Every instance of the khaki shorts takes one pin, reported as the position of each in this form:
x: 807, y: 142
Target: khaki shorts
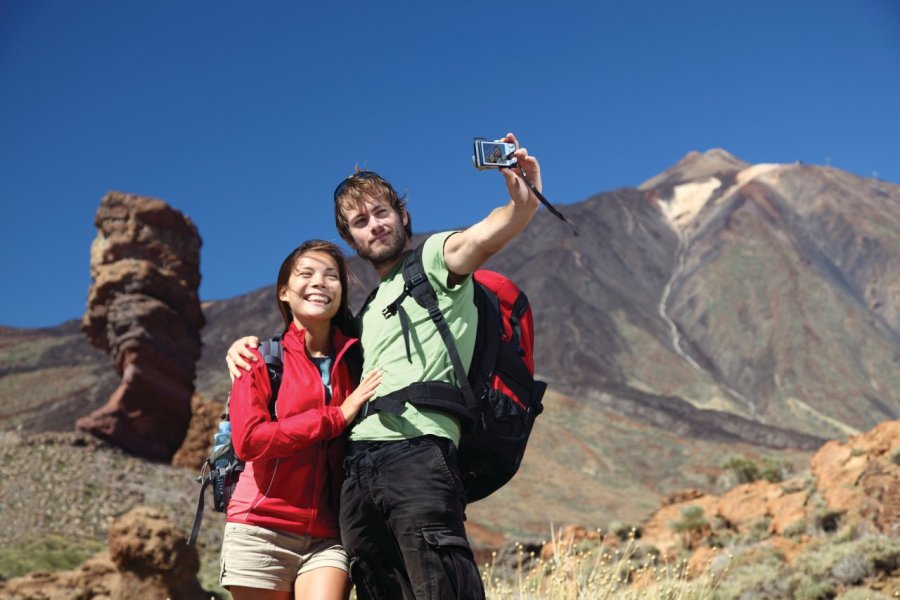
x: 272, y: 560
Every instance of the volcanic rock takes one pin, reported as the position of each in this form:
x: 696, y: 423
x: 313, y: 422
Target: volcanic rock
x: 148, y: 557
x: 143, y: 308
x: 856, y: 485
x: 198, y: 441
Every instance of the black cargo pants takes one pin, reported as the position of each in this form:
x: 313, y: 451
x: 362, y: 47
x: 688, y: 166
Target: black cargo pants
x: 402, y: 513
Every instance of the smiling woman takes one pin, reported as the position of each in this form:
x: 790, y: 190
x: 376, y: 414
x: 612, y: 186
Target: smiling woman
x: 281, y: 538
x: 310, y: 288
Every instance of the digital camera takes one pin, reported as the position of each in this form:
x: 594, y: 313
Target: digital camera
x: 493, y: 154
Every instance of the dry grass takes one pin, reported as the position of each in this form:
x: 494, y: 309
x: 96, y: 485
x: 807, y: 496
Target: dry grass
x: 596, y: 570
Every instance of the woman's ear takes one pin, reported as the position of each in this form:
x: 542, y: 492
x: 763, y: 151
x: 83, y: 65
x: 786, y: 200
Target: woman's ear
x: 282, y: 294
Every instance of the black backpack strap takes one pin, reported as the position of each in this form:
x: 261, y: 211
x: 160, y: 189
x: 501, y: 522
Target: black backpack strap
x: 416, y: 284
x: 201, y: 502
x: 273, y: 355
x: 515, y: 321
x: 412, y: 277
x: 438, y: 395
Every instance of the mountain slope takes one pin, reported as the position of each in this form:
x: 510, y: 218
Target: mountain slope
x: 787, y: 291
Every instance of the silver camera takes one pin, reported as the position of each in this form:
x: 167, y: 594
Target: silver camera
x: 493, y: 154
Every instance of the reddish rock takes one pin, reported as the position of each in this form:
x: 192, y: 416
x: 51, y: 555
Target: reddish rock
x: 148, y: 557
x: 152, y: 558
x: 858, y: 480
x: 95, y: 578
x: 744, y: 505
x: 206, y: 415
x: 679, y: 496
x: 144, y: 310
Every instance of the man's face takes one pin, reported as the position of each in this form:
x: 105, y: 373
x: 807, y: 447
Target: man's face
x: 378, y: 231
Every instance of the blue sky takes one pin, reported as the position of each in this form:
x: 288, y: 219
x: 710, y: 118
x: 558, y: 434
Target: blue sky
x: 245, y: 115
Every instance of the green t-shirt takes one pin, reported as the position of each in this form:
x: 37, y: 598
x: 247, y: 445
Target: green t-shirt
x: 383, y: 347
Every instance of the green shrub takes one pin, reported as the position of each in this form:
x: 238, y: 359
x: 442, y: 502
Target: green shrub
x: 794, y: 529
x: 753, y: 581
x: 774, y: 470
x: 624, y: 531
x: 895, y: 455
x: 852, y: 562
x: 746, y: 470
x: 692, y: 519
x: 760, y: 529
x: 815, y: 590
x: 47, y: 553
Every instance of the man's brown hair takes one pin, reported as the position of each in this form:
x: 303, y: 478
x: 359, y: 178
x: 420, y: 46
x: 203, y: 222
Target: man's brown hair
x: 351, y: 193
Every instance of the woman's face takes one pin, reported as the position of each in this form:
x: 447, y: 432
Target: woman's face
x: 313, y: 291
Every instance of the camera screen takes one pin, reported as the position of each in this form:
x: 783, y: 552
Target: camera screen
x: 493, y: 153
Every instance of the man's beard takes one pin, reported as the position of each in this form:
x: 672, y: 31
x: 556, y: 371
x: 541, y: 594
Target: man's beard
x: 387, y: 253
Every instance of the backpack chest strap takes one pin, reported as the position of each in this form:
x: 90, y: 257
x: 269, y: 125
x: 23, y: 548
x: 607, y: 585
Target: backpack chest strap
x: 436, y: 395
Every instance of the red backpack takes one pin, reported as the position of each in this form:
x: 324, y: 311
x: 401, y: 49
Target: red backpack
x: 499, y: 398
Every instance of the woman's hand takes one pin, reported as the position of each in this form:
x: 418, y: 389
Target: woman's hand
x: 238, y: 355
x: 363, y: 392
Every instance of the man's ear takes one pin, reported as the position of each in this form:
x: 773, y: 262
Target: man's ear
x: 404, y: 217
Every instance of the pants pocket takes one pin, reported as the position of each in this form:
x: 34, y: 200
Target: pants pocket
x: 450, y: 565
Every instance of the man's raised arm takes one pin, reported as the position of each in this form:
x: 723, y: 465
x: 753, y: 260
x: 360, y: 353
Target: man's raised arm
x: 467, y: 250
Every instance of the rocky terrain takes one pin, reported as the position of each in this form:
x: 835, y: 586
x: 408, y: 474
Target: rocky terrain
x: 65, y: 496
x: 834, y: 523
x: 719, y: 311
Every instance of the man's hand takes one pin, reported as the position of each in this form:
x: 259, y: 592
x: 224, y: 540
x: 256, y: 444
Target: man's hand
x: 466, y: 251
x: 519, y: 192
x: 239, y: 354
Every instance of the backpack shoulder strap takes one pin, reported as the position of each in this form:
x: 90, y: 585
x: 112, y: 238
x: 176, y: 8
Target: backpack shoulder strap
x: 272, y: 353
x: 205, y: 479
x: 416, y: 284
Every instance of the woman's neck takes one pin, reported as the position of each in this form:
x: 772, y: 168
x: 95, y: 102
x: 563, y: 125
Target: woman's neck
x: 318, y: 337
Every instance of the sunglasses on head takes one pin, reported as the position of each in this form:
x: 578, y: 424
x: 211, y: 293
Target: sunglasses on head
x: 359, y: 175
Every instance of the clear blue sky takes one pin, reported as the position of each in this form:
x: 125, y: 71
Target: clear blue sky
x: 244, y: 115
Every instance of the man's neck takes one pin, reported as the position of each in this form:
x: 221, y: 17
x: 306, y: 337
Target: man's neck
x: 386, y: 266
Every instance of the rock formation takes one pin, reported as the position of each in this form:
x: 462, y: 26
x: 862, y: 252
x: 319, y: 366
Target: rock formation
x: 198, y: 441
x: 148, y: 557
x: 143, y: 308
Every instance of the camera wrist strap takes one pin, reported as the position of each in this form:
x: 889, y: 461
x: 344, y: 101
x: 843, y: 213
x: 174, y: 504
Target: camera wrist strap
x: 546, y: 203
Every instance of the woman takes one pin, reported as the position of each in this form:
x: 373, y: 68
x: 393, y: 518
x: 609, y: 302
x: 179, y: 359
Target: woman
x: 281, y: 537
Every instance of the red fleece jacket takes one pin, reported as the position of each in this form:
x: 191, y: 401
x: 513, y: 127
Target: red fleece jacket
x: 291, y: 481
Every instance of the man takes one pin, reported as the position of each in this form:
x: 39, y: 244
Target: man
x: 403, y: 501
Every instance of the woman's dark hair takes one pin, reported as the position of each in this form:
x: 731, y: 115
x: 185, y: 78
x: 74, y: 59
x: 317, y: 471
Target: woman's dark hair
x: 343, y: 319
